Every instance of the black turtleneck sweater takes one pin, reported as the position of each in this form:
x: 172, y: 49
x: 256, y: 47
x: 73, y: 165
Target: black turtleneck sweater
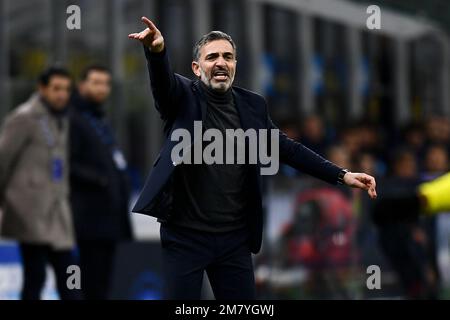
x: 212, y: 197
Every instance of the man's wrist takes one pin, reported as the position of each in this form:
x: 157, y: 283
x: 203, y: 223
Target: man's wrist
x: 152, y: 54
x: 342, y: 173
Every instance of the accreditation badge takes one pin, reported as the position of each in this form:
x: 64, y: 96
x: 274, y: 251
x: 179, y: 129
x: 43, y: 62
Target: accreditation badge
x: 119, y: 159
x: 57, y: 169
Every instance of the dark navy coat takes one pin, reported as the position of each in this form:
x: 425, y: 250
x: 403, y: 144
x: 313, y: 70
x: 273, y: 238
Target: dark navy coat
x: 180, y: 102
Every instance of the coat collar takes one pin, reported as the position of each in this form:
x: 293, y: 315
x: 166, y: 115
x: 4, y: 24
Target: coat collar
x: 37, y: 106
x: 240, y: 100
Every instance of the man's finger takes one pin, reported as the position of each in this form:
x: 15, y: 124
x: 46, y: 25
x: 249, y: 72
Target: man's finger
x: 143, y: 34
x: 368, y: 180
x: 359, y: 184
x: 372, y: 193
x: 133, y: 35
x: 149, y: 23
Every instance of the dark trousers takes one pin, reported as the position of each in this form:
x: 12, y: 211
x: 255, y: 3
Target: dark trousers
x: 35, y: 259
x: 226, y: 257
x: 96, y: 262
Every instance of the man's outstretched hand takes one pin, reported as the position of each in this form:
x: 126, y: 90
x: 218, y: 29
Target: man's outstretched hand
x: 361, y: 181
x: 151, y: 37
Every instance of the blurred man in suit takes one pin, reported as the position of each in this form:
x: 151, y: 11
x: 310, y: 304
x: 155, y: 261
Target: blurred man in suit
x: 34, y: 187
x: 99, y: 184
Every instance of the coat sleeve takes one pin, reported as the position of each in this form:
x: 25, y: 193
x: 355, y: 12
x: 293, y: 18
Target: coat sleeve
x: 300, y: 157
x: 165, y: 84
x: 14, y: 135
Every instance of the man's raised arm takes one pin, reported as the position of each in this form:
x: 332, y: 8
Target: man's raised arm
x: 163, y: 81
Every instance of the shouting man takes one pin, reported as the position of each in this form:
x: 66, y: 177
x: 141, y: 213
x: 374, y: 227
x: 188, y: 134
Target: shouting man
x: 211, y: 215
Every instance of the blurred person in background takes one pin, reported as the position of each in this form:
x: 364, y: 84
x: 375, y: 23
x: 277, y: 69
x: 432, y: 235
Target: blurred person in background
x: 350, y: 139
x: 406, y: 243
x: 339, y: 155
x: 319, y: 239
x: 372, y: 149
x: 99, y: 183
x: 425, y: 200
x: 413, y: 137
x: 313, y: 134
x: 370, y: 137
x: 367, y: 162
x: 437, y: 130
x: 34, y: 185
x: 404, y: 164
x: 436, y: 161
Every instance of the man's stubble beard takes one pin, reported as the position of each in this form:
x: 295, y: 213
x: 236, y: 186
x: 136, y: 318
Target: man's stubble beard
x: 222, y: 86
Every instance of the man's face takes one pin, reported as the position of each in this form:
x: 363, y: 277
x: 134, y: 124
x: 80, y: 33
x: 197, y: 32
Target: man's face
x: 96, y: 87
x: 216, y: 66
x: 57, y: 92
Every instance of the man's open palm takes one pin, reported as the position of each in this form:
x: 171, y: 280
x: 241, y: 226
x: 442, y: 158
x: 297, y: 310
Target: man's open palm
x: 151, y: 37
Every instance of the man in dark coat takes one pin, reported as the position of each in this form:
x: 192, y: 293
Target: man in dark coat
x: 99, y: 184
x: 211, y: 214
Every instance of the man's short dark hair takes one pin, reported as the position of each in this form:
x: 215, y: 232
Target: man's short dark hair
x: 91, y: 68
x: 46, y: 75
x: 207, y: 38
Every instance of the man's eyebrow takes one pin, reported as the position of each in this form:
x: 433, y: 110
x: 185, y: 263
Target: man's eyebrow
x: 212, y: 54
x: 215, y: 54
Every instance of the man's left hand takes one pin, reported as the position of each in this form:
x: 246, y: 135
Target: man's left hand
x: 361, y: 181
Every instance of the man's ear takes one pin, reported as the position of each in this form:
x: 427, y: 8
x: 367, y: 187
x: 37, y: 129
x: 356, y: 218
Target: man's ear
x: 41, y: 89
x: 80, y: 87
x: 196, y: 68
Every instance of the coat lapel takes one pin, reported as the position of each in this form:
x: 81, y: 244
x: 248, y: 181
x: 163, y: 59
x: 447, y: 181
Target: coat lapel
x: 241, y: 103
x: 244, y: 110
x: 201, y: 97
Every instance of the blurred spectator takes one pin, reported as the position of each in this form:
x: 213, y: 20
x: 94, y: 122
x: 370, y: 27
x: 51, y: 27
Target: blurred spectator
x: 407, y: 244
x: 313, y: 134
x: 413, y: 137
x: 404, y: 164
x: 339, y: 156
x: 369, y: 138
x: 367, y: 162
x: 34, y: 185
x: 435, y: 164
x: 351, y: 140
x: 99, y: 184
x: 438, y: 130
x: 436, y: 160
x: 319, y: 238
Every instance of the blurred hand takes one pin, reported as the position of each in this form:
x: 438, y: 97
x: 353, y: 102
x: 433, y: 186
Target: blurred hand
x: 361, y: 181
x: 151, y: 37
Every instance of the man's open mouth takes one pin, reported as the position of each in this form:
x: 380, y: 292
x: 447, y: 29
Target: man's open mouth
x: 220, y: 75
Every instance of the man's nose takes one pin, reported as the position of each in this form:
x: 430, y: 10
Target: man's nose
x: 221, y: 62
